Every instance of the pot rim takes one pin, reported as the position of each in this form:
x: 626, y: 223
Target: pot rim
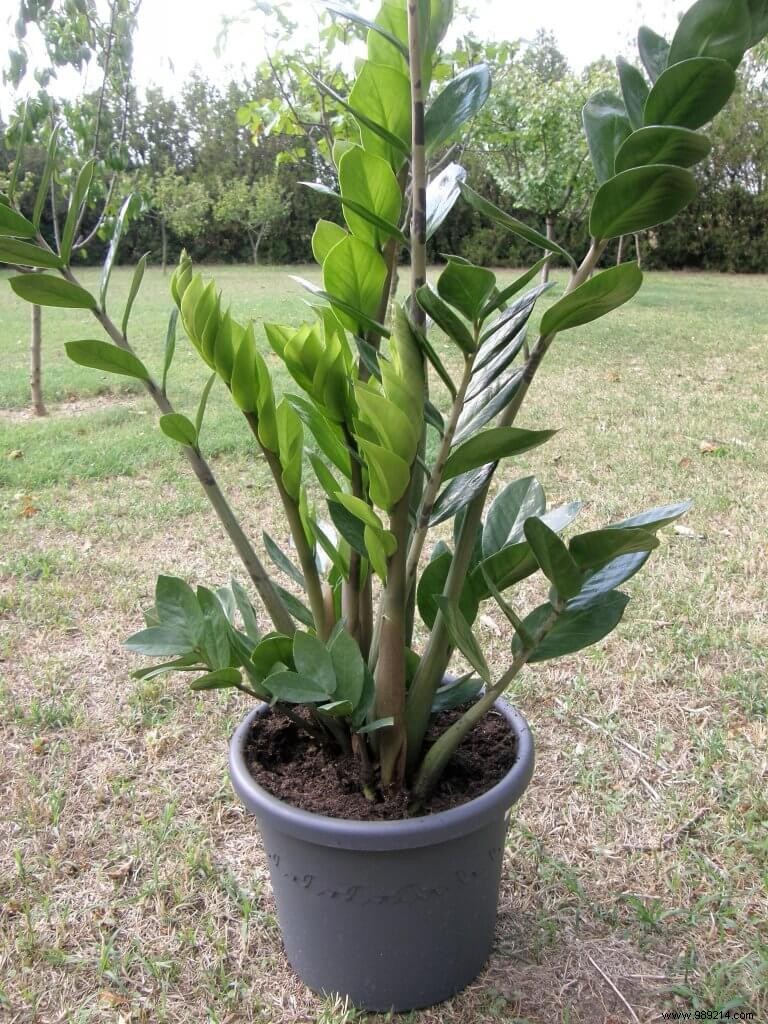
x: 406, y: 833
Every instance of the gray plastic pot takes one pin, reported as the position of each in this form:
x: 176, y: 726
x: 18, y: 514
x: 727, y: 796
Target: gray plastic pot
x: 393, y: 914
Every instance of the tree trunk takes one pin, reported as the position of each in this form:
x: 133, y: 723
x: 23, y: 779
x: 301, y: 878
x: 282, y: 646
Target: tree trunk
x: 163, y: 245
x: 637, y: 251
x: 620, y: 251
x: 550, y: 222
x: 36, y: 362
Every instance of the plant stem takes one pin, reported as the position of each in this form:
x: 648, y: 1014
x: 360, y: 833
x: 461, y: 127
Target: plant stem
x: 273, y: 603
x: 438, y: 650
x: 418, y: 167
x: 351, y: 591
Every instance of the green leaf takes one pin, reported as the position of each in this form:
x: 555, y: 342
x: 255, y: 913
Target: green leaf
x: 355, y: 314
x: 634, y: 90
x: 510, y: 508
x: 487, y: 404
x: 466, y: 288
x: 179, y: 428
x: 654, y: 518
x: 662, y: 144
x: 170, y: 345
x: 604, y: 292
x: 43, y: 188
x: 596, y: 548
x: 380, y: 101
x: 325, y: 236
x: 492, y: 445
x: 354, y: 272
x: 274, y: 649
x: 459, y: 492
x: 312, y: 659
x: 177, y: 607
x: 654, y: 50
x: 217, y: 630
x: 343, y: 11
x: 76, y: 202
x: 442, y: 193
x: 612, y: 575
x: 221, y: 679
x: 19, y: 161
x: 24, y: 254
x: 189, y: 662
x: 12, y: 224
x: 431, y: 586
x: 445, y: 318
x: 575, y: 629
x: 377, y: 227
x: 640, y: 198
x: 461, y: 636
x: 606, y: 126
x: 459, y: 101
x: 389, y: 474
x: 133, y: 291
x: 758, y: 10
x: 502, y: 298
x: 375, y: 725
x: 200, y: 414
x: 712, y: 28
x: 349, y: 526
x: 337, y: 709
x: 372, y: 196
x: 126, y: 210
x: 328, y: 436
x: 293, y: 688
x: 159, y: 641
x: 512, y: 224
x: 455, y: 694
x: 247, y: 612
x: 554, y: 559
x: 690, y: 93
x: 282, y: 561
x: 429, y: 352
x: 348, y: 667
x: 103, y: 355
x: 44, y: 290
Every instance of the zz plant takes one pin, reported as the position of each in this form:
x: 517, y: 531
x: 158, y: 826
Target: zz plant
x: 348, y: 444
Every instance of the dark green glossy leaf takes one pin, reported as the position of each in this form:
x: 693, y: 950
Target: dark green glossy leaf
x: 758, y: 12
x: 483, y: 378
x: 612, y: 575
x: 604, y: 292
x: 515, y: 503
x: 459, y: 101
x: 500, y: 299
x: 462, y: 637
x: 436, y: 362
x: 554, y: 559
x: 177, y: 608
x: 14, y: 225
x: 606, y: 126
x: 23, y: 254
x: 185, y: 664
x: 662, y: 144
x: 654, y: 50
x: 466, y: 287
x: 507, y: 323
x: 274, y: 649
x: 44, y: 290
x: 456, y: 693
x: 349, y: 526
x: 296, y: 608
x: 640, y: 198
x: 133, y: 291
x: 103, y: 355
x: 312, y: 658
x: 595, y: 549
x: 712, y: 28
x: 349, y: 669
x: 690, y: 93
x: 221, y: 679
x: 486, y: 405
x: 442, y: 193
x: 459, y: 492
x: 247, y: 612
x: 654, y: 518
x: 512, y: 224
x: 294, y: 688
x: 217, y: 631
x: 328, y: 437
x: 576, y: 629
x: 281, y: 560
x: 179, y: 428
x: 491, y: 446
x: 159, y: 641
x: 634, y: 90
x: 431, y: 586
x: 445, y: 318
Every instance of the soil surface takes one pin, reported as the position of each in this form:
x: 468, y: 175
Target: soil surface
x: 291, y: 765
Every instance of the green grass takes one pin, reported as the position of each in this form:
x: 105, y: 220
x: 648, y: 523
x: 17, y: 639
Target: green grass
x: 131, y: 883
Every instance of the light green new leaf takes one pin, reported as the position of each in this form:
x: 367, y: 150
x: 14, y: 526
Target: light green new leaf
x: 369, y: 182
x: 640, y: 198
x: 103, y: 355
x: 604, y: 292
x: 554, y: 559
x: 354, y: 272
x: 459, y: 101
x: 606, y: 126
x: 325, y: 236
x: 23, y: 254
x: 44, y: 290
x: 662, y: 144
x: 382, y: 96
x: 712, y: 28
x: 466, y: 287
x: 634, y: 90
x: 179, y: 428
x: 462, y: 637
x: 654, y: 50
x: 690, y: 93
x: 389, y: 474
x: 492, y: 445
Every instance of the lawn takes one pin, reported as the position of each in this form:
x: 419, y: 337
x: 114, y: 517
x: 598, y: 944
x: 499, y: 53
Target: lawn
x: 132, y: 884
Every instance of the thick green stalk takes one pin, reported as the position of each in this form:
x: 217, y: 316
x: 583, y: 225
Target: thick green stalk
x: 438, y: 650
x: 273, y: 603
x: 418, y: 166
x: 352, y: 593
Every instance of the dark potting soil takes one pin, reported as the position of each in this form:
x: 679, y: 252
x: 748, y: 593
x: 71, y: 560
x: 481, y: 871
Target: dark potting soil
x: 287, y: 762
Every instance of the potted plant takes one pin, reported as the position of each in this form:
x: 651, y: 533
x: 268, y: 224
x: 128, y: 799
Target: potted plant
x: 385, y: 874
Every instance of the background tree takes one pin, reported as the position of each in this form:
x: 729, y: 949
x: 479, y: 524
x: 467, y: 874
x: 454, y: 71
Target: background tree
x: 253, y: 206
x: 179, y: 204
